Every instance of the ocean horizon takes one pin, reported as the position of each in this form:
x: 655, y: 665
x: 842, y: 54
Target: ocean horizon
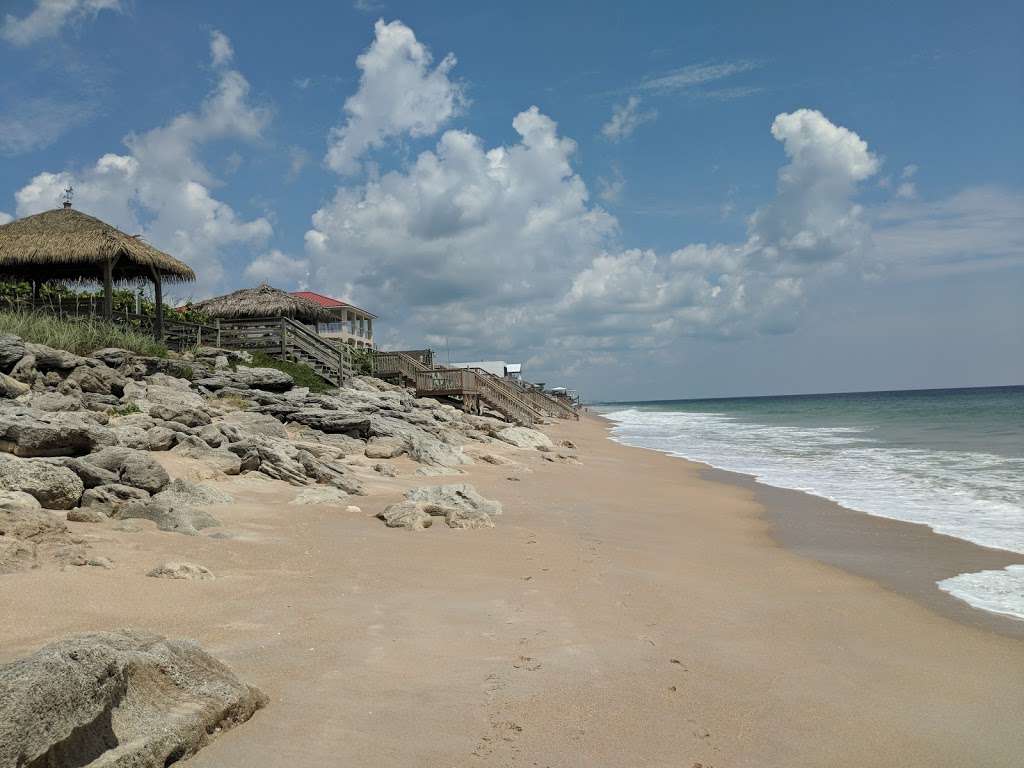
x: 951, y: 459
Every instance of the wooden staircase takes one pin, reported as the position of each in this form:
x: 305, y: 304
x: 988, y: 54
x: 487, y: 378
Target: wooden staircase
x: 473, y: 386
x: 285, y: 339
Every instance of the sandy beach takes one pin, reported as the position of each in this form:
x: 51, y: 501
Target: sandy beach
x: 632, y: 610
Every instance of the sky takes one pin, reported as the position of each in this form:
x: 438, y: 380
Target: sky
x: 641, y: 201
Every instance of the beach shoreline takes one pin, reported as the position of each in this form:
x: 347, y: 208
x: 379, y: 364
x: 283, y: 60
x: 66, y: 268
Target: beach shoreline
x: 632, y: 609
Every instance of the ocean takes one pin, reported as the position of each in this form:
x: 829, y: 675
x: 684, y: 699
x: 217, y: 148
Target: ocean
x: 952, y: 459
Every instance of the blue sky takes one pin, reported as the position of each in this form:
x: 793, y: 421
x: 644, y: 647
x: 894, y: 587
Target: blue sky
x: 709, y: 199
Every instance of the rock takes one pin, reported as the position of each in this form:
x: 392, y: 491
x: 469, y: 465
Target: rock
x: 257, y: 423
x: 352, y: 509
x: 186, y: 520
x: 12, y: 349
x: 213, y: 436
x: 567, y: 444
x: 466, y: 519
x: 438, y: 471
x: 189, y: 416
x: 16, y: 555
x: 320, y: 495
x: 50, y: 359
x: 90, y: 475
x: 181, y: 570
x: 182, y: 493
x: 87, y: 515
x: 55, y: 402
x: 112, y: 356
x: 161, y: 438
x: 522, y: 437
x: 98, y: 379
x: 18, y: 500
x: 112, y: 496
x: 24, y: 370
x: 332, y: 422
x: 269, y: 379
x: 222, y: 460
x: 52, y: 486
x: 493, y: 458
x: 131, y: 437
x: 11, y: 387
x: 135, y: 468
x: 24, y: 532
x: 96, y: 562
x: 406, y: 514
x: 27, y: 432
x: 126, y: 698
x: 384, y: 448
x: 385, y: 469
x: 427, y: 450
x: 441, y: 498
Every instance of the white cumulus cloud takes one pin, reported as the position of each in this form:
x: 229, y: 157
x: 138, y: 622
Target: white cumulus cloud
x: 399, y: 94
x: 221, y: 52
x: 278, y: 269
x: 626, y: 118
x: 161, y: 188
x: 5, y: 218
x: 49, y: 17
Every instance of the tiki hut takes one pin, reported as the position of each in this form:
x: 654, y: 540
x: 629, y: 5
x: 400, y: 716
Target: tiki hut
x: 68, y: 245
x: 264, y: 301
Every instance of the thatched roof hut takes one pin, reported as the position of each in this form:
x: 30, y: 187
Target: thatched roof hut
x: 264, y: 301
x: 65, y: 244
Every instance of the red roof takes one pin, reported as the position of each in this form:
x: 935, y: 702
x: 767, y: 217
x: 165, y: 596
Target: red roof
x: 327, y: 302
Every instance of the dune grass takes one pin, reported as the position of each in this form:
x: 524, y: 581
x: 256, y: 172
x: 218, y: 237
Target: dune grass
x: 79, y: 335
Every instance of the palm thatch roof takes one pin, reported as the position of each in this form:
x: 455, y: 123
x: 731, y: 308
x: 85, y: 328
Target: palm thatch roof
x: 264, y: 301
x: 66, y: 244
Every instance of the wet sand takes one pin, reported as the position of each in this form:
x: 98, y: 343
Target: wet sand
x: 631, y: 611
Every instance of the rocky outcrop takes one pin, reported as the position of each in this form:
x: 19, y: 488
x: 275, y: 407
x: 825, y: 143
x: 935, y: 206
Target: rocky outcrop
x: 135, y: 468
x: 257, y: 424
x: 384, y: 448
x: 28, y: 533
x: 269, y: 379
x: 12, y: 349
x: 175, y: 519
x: 11, y: 388
x: 406, y: 514
x: 460, y: 506
x: 125, y: 698
x: 182, y: 493
x: 320, y: 495
x: 28, y: 432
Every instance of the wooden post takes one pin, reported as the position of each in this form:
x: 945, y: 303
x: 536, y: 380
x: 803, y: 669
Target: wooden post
x: 284, y: 339
x: 158, y: 300
x: 108, y: 290
x: 216, y: 324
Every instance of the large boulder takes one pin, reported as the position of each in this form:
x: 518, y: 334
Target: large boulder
x: 183, y: 493
x: 90, y: 474
x: 54, y: 487
x: 112, y: 496
x: 135, y: 468
x: 430, y: 451
x: 112, y: 356
x: 320, y: 494
x: 24, y: 532
x: 12, y: 349
x: 27, y: 432
x: 523, y: 437
x: 217, y: 458
x: 331, y: 422
x: 406, y: 514
x: 269, y: 379
x: 459, y: 496
x: 188, y: 415
x: 384, y: 448
x: 128, y: 699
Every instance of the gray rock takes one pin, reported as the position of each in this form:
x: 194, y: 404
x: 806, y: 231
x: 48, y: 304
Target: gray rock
x: 333, y: 422
x: 90, y: 474
x: 24, y: 370
x: 466, y: 519
x: 11, y: 387
x: 523, y: 437
x: 112, y: 356
x: 128, y: 698
x: 97, y: 378
x: 182, y: 493
x: 55, y: 402
x: 50, y: 359
x: 16, y: 555
x: 427, y: 450
x: 12, y: 349
x: 388, y: 470
x: 406, y: 514
x: 18, y: 500
x: 112, y: 496
x: 384, y: 448
x: 182, y: 570
x: 461, y: 496
x: 132, y: 437
x: 27, y: 432
x: 320, y: 495
x: 134, y: 468
x: 52, y: 486
x: 186, y: 520
x: 161, y: 438
x: 25, y: 532
x: 223, y: 460
x: 87, y: 515
x: 269, y: 379
x: 189, y: 416
x: 257, y: 423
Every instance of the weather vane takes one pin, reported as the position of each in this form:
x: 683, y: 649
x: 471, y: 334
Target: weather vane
x: 68, y: 194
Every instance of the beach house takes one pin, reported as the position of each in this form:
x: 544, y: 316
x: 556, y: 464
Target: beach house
x: 348, y: 324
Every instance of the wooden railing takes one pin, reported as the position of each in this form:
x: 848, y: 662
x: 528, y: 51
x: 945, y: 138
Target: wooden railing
x: 494, y: 388
x: 296, y: 336
x: 550, y: 405
x: 398, y: 364
x: 286, y: 339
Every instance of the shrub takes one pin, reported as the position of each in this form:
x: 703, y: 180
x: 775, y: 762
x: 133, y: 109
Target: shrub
x: 304, y: 375
x: 78, y: 335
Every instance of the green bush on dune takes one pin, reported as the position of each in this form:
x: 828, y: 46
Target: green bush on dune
x: 79, y: 335
x: 304, y: 375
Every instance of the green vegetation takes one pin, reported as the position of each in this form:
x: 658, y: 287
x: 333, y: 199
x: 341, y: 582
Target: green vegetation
x: 124, y: 410
x: 79, y: 335
x: 304, y: 375
x: 16, y: 296
x: 362, y: 361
